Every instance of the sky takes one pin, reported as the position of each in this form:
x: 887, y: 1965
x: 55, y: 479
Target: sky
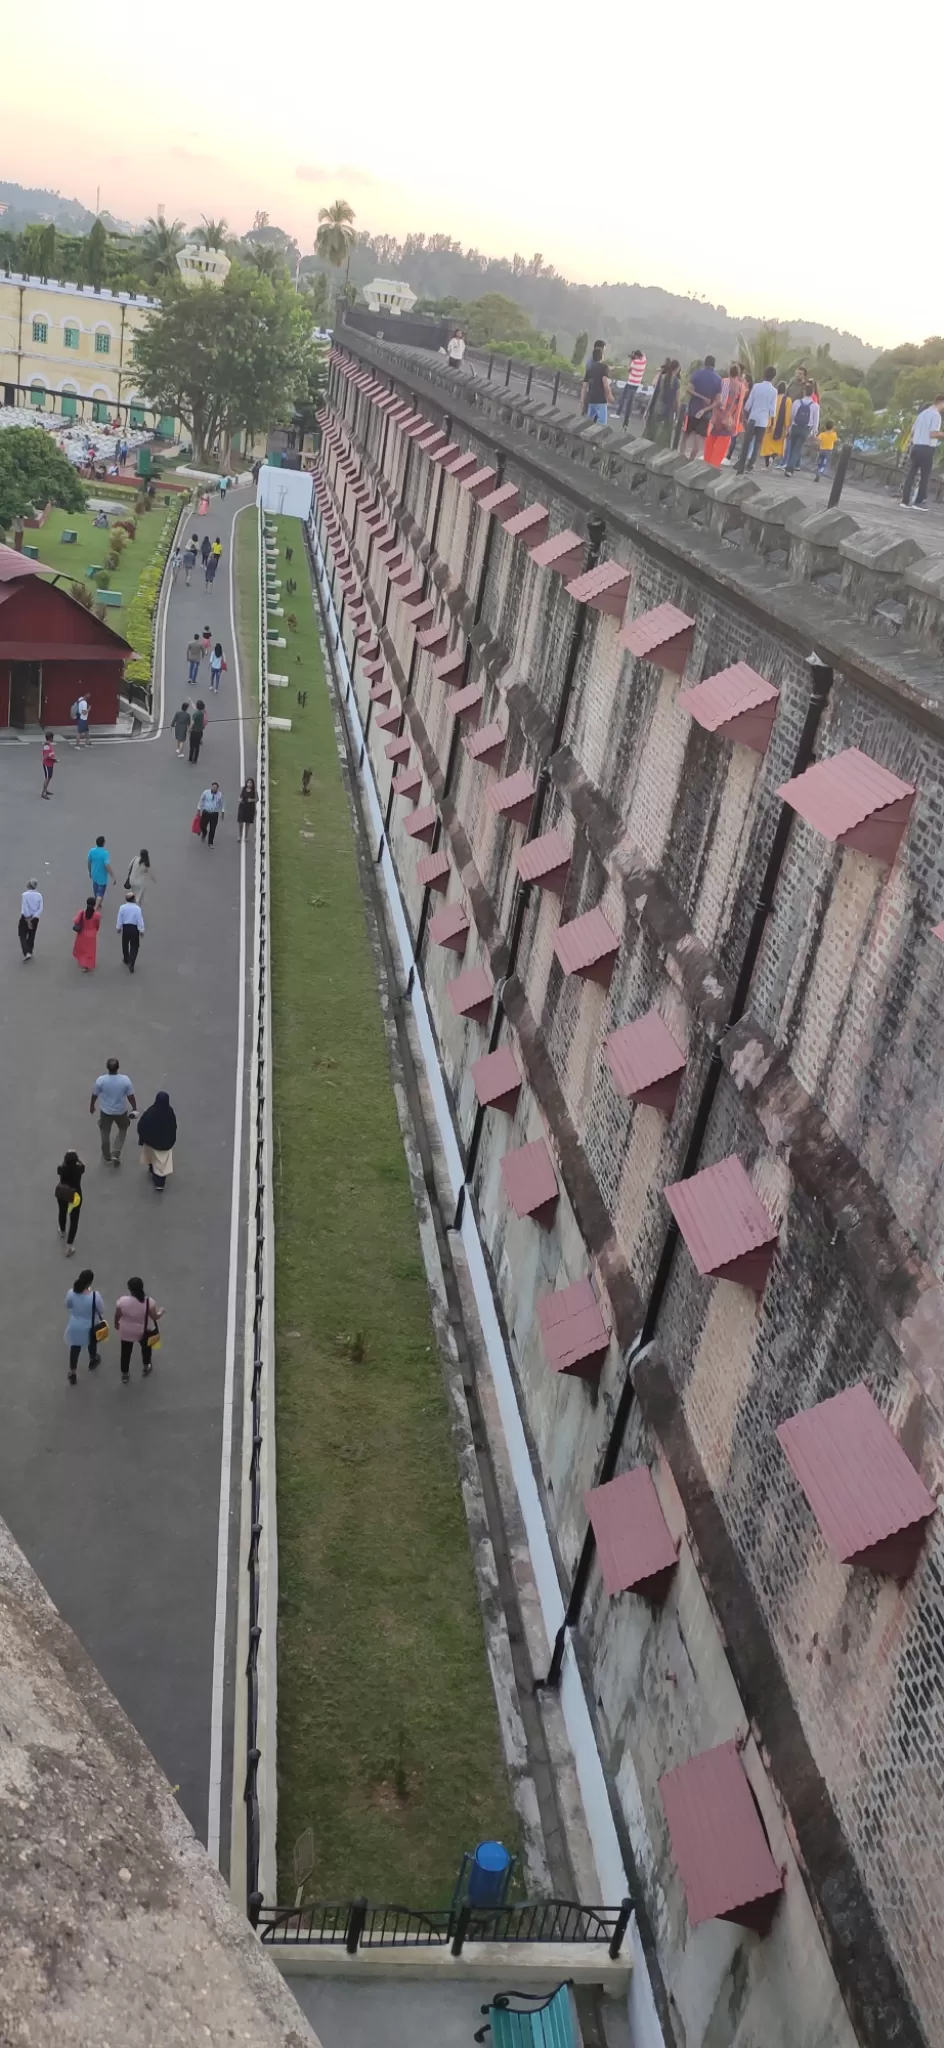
x: 621, y: 150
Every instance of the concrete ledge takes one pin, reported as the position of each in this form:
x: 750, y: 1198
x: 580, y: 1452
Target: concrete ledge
x: 533, y: 1965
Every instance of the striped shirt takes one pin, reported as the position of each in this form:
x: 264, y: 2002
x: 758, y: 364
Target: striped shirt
x: 636, y: 371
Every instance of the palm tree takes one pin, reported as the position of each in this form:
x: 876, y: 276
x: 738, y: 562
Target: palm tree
x: 266, y: 258
x: 768, y: 345
x: 159, y: 245
x: 336, y: 234
x: 214, y: 234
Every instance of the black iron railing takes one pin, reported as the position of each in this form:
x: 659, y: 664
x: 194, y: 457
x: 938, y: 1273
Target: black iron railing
x: 260, y: 1196
x: 357, y: 1924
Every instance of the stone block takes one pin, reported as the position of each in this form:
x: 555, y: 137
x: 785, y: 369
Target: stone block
x: 871, y: 549
x: 773, y: 508
x: 821, y: 529
x: 927, y: 577
x: 735, y: 490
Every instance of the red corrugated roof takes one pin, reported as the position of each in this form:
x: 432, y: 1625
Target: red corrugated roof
x: 395, y: 562
x: 382, y: 691
x: 480, y: 482
x: 471, y: 993
x: 408, y: 782
x: 462, y: 703
x: 374, y: 671
x: 836, y: 795
x: 419, y: 428
x: 573, y: 1331
x: 860, y: 1484
x: 462, y: 466
x: 434, y: 637
x: 724, y: 1223
x: 488, y: 744
x: 389, y: 547
x: 430, y: 442
x: 546, y: 861
x: 422, y: 825
x: 718, y: 1840
x: 432, y: 872
x: 655, y: 629
x: 603, y: 588
x: 634, y: 1542
x: 530, y: 523
x: 398, y: 750
x: 450, y: 927
x: 588, y: 945
x: 645, y: 1061
x: 530, y: 1181
x: 505, y: 498
x: 496, y: 1079
x: 737, y: 703
x: 447, y: 453
x: 563, y: 553
x: 386, y: 719
x: 512, y: 796
x: 420, y: 615
x: 408, y: 585
x: 451, y: 665
x: 937, y: 931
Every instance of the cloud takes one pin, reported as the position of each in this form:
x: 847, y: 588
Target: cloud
x: 194, y: 156
x: 341, y: 174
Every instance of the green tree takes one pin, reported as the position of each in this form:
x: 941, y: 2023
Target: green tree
x: 95, y: 255
x: 214, y: 234
x: 34, y: 473
x: 336, y: 234
x: 769, y: 345
x: 581, y: 345
x: 442, y: 309
x: 916, y: 387
x: 850, y: 408
x: 160, y: 243
x: 227, y: 359
x: 882, y: 375
x: 317, y: 297
x: 266, y: 259
x: 495, y: 318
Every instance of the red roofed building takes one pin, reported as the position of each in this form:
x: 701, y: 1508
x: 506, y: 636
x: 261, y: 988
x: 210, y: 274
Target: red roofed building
x: 52, y: 650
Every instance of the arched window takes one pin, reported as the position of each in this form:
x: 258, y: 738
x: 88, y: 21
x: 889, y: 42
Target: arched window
x: 40, y: 330
x: 102, y: 343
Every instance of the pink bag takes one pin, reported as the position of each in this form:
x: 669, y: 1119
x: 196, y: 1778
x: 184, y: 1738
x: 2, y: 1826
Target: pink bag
x: 195, y: 827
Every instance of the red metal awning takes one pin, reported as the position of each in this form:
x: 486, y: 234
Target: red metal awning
x: 390, y: 547
x: 546, y: 861
x: 420, y: 615
x: 450, y: 928
x: 645, y: 1062
x: 462, y: 466
x: 451, y: 665
x: 479, y: 483
x: 737, y: 703
x: 382, y: 691
x: 718, y: 1841
x: 466, y: 703
x: 513, y: 796
x: 433, y: 871
x: 431, y: 443
x: 575, y: 1337
x: 529, y: 525
x: 635, y: 1544
x: 563, y: 553
x: 419, y: 428
x: 496, y: 1079
x: 488, y: 744
x: 471, y: 994
x: 937, y: 931
x: 588, y: 946
x: 853, y: 801
x: 446, y: 453
x: 504, y: 499
x: 399, y: 749
x: 434, y: 639
x: 664, y: 634
x: 725, y: 1225
x: 422, y: 825
x: 389, y: 718
x: 407, y: 783
x: 604, y: 589
x: 531, y: 1183
x: 870, y: 1503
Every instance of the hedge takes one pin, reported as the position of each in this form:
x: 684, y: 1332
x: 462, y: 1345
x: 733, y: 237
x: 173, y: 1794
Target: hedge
x: 140, y: 622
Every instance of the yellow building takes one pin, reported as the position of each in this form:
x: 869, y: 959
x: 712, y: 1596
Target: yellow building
x: 69, y: 349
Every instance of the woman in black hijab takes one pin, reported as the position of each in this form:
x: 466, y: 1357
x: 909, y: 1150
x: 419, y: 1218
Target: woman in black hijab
x: 157, y: 1136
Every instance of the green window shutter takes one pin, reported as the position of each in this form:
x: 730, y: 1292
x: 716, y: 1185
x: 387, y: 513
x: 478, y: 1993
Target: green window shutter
x: 37, y: 396
x: 72, y: 337
x: 40, y: 330
x: 68, y: 405
x: 101, y: 412
x: 102, y: 344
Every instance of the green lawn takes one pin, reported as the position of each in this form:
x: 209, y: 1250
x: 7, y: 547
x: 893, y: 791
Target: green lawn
x: 388, y: 1736
x: 75, y: 559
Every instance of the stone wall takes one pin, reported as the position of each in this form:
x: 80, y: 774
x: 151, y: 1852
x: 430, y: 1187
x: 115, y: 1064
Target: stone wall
x: 826, y: 1085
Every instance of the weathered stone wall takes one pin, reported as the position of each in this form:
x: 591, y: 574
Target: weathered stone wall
x: 829, y: 1093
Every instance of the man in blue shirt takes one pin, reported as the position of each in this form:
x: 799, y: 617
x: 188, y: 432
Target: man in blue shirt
x: 99, y: 867
x: 703, y: 388
x: 115, y: 1100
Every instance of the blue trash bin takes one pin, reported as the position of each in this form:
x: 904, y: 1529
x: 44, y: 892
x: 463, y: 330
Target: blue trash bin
x: 488, y: 1876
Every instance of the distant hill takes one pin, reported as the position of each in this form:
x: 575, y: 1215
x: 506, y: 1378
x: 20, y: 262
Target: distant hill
x: 25, y: 204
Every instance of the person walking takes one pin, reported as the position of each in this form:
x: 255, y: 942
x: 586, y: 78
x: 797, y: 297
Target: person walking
x: 800, y: 423
x: 180, y: 726
x: 925, y: 435
x: 206, y: 641
x: 49, y: 762
x: 774, y: 441
x: 130, y: 924
x: 210, y: 808
x: 86, y: 1322
x: 175, y: 561
x: 194, y: 657
x: 136, y: 1321
x: 704, y: 385
x: 69, y: 1198
x: 204, y: 505
x: 99, y: 867
x: 157, y: 1136
x: 246, y: 808
x: 217, y: 549
x: 80, y: 713
x: 140, y: 875
x: 114, y: 1098
x: 455, y: 348
x: 197, y: 729
x: 85, y: 927
x: 210, y: 569
x: 206, y: 549
x: 724, y: 423
x: 190, y: 557
x: 31, y: 910
x: 635, y: 376
x: 663, y: 405
x: 759, y: 411
x: 217, y: 665
x: 596, y: 393
x: 826, y: 441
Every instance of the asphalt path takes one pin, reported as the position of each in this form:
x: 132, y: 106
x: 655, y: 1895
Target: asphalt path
x: 114, y: 1492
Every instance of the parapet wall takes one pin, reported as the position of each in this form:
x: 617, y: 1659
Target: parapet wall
x: 825, y: 1086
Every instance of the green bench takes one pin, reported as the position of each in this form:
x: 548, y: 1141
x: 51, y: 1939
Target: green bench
x: 95, y: 569
x: 69, y: 538
x: 31, y: 553
x: 542, y: 2022
x: 111, y: 598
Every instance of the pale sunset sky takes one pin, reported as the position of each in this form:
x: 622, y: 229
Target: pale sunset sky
x: 656, y: 146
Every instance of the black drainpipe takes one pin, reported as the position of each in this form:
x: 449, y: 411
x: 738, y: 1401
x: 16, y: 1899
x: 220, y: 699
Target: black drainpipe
x: 595, y: 532
x: 822, y: 684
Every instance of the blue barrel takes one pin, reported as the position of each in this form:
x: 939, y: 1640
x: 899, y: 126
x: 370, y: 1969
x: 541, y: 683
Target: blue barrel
x: 489, y: 1874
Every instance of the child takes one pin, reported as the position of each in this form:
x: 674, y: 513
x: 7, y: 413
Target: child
x: 826, y: 441
x: 49, y: 762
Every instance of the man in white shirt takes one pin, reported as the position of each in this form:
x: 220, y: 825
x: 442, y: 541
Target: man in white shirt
x: 31, y: 910
x: 760, y: 409
x: 130, y: 923
x: 925, y: 435
x: 455, y: 349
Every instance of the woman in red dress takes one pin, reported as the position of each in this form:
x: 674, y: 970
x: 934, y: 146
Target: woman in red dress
x: 86, y: 936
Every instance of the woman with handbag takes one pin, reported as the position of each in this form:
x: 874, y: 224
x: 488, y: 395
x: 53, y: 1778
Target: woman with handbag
x: 69, y: 1198
x: 140, y: 874
x: 136, y: 1319
x: 86, y: 1327
x: 157, y: 1136
x: 85, y: 927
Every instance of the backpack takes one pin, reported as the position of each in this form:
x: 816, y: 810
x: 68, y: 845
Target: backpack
x: 802, y: 414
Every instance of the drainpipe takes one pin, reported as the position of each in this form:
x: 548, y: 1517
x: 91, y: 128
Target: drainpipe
x: 822, y: 679
x: 595, y: 531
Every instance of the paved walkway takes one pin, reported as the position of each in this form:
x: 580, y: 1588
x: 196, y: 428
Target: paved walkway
x: 112, y: 1491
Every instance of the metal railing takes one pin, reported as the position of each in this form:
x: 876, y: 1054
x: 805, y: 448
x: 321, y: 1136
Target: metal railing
x: 261, y: 1193
x: 356, y: 1924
